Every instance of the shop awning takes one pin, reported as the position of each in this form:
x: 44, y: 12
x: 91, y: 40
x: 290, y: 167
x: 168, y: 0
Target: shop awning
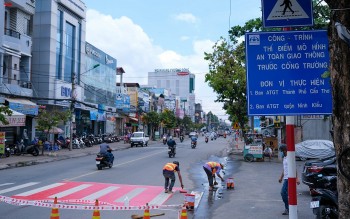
x: 16, y: 119
x: 23, y: 106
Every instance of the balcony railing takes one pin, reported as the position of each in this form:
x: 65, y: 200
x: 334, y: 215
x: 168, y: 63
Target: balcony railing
x: 12, y: 33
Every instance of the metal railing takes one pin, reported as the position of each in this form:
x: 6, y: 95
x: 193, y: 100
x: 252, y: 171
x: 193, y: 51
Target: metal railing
x: 12, y: 33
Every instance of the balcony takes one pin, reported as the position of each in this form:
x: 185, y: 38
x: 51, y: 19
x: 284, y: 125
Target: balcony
x: 16, y: 87
x: 16, y: 41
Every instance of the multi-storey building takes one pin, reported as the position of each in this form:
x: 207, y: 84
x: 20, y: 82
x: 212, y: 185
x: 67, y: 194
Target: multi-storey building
x: 180, y: 82
x: 15, y: 60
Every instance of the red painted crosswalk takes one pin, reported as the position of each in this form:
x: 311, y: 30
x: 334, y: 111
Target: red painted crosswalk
x: 113, y: 194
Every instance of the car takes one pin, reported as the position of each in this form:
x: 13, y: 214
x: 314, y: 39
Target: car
x: 314, y: 170
x: 314, y: 149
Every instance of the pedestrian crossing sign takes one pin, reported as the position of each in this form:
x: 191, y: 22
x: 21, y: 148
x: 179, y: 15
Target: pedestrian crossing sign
x: 287, y: 13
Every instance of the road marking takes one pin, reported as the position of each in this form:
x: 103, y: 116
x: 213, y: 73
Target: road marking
x: 131, y: 194
x: 34, y: 191
x: 100, y: 193
x: 161, y: 198
x: 70, y: 191
x: 18, y: 187
x: 121, y: 164
x: 6, y: 184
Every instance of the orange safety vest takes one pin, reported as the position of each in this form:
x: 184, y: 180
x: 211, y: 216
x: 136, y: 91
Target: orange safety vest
x: 213, y: 165
x: 170, y: 167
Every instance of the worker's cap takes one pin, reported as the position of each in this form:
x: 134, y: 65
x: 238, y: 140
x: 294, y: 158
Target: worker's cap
x: 176, y: 162
x: 222, y: 166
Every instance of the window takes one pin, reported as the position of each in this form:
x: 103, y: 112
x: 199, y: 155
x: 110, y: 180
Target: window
x: 69, y: 52
x: 59, y: 45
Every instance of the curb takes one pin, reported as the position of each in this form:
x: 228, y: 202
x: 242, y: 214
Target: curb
x: 52, y: 158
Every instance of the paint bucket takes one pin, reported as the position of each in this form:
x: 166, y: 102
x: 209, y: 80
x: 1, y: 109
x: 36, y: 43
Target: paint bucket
x: 189, y: 201
x: 229, y: 183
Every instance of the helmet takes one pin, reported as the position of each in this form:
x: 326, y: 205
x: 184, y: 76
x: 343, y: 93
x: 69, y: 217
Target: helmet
x: 170, y: 137
x: 176, y: 162
x: 282, y: 147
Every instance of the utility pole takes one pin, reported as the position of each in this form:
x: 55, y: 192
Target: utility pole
x: 72, y: 109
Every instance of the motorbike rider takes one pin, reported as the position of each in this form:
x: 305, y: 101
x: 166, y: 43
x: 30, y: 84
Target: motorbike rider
x: 106, y: 151
x: 171, y: 143
x: 212, y: 168
x: 169, y: 170
x: 194, y: 139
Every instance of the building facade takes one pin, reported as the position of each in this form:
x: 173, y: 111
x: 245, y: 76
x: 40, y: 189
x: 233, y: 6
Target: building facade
x: 180, y: 82
x: 15, y: 58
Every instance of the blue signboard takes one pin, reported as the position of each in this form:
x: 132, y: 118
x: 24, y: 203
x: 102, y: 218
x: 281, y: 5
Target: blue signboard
x: 287, y: 13
x: 24, y: 108
x: 286, y: 73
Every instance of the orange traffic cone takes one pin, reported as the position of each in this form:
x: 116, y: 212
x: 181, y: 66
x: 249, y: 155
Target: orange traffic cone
x: 54, y: 212
x: 183, y: 214
x: 96, y: 214
x: 146, y: 214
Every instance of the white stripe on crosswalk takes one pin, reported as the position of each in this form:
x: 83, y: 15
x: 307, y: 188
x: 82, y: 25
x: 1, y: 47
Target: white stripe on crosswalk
x: 70, y: 191
x: 161, y: 198
x: 32, y: 192
x: 18, y: 187
x: 6, y: 184
x: 131, y: 194
x: 100, y: 193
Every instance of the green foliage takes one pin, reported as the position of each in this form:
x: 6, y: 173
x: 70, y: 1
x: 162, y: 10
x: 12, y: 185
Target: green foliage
x: 49, y: 119
x: 4, y: 111
x: 151, y: 118
x: 167, y: 117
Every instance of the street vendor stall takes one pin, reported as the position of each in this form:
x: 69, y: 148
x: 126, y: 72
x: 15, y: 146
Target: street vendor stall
x: 253, y: 151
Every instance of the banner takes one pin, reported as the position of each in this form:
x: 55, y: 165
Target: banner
x: 2, y: 142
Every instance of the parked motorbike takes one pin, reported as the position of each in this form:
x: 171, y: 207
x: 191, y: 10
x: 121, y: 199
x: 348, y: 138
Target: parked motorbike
x: 29, y: 149
x: 206, y: 139
x: 325, y: 204
x: 171, y: 151
x: 87, y: 141
x: 126, y: 139
x: 102, y: 160
x: 181, y: 138
x: 193, y: 144
x: 164, y: 140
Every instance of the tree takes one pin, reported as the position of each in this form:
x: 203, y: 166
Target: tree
x: 4, y: 111
x: 168, y: 119
x: 340, y: 79
x: 49, y: 119
x: 187, y: 123
x: 152, y: 119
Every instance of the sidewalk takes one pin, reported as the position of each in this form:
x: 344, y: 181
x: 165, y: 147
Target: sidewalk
x: 28, y: 159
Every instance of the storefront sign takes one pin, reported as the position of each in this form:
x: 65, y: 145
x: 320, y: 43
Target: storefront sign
x: 255, y: 149
x: 2, y: 142
x: 24, y: 108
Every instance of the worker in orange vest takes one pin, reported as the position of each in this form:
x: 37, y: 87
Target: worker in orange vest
x: 169, y: 174
x: 212, y: 168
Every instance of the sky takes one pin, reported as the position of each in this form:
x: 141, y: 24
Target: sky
x: 159, y: 34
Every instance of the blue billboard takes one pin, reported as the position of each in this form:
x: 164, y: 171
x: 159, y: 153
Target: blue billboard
x: 287, y: 13
x: 287, y: 73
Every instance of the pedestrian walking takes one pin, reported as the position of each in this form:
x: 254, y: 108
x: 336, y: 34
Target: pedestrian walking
x: 169, y: 170
x: 284, y: 178
x: 212, y: 168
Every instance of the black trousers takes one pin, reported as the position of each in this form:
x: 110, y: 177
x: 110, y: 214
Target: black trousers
x: 210, y: 176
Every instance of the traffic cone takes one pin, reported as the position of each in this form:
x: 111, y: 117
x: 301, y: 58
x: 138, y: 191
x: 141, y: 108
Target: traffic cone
x: 183, y: 214
x: 54, y: 212
x: 146, y: 214
x: 96, y: 214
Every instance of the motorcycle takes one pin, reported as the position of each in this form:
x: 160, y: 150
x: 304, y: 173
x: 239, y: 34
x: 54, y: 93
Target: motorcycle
x: 164, y: 140
x: 29, y: 149
x: 102, y: 160
x: 325, y: 204
x: 206, y: 139
x: 181, y: 138
x: 193, y: 144
x: 171, y: 151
